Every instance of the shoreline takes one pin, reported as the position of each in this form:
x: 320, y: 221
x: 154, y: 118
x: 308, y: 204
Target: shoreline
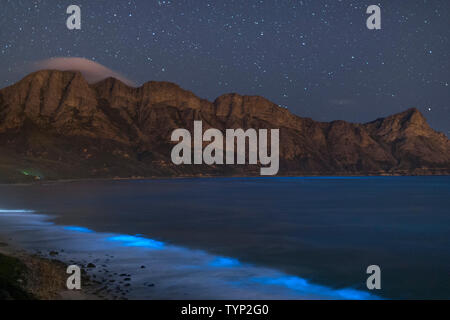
x: 168, y: 178
x: 27, y: 276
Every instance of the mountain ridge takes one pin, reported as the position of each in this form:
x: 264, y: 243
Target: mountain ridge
x: 57, y: 125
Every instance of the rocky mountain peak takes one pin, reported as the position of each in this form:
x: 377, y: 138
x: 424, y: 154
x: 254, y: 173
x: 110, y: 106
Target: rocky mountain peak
x: 408, y: 123
x: 60, y: 125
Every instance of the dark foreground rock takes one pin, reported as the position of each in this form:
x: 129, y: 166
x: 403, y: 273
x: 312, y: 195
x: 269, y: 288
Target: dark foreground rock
x: 12, y: 279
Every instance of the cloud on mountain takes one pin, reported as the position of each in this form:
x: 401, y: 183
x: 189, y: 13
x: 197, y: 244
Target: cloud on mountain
x: 91, y: 70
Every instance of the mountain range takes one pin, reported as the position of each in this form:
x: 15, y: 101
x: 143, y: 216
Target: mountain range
x: 55, y: 125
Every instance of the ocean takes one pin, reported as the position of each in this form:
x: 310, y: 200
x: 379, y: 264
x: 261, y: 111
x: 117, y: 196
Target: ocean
x: 246, y: 238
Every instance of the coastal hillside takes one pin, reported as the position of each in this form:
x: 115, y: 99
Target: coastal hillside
x: 55, y: 125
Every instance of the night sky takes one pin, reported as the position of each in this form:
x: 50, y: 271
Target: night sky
x: 315, y: 57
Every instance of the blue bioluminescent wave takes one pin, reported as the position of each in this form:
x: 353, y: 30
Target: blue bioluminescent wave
x: 303, y: 286
x: 135, y: 241
x: 78, y: 229
x: 225, y: 265
x: 224, y: 262
x: 352, y: 294
x: 15, y: 211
